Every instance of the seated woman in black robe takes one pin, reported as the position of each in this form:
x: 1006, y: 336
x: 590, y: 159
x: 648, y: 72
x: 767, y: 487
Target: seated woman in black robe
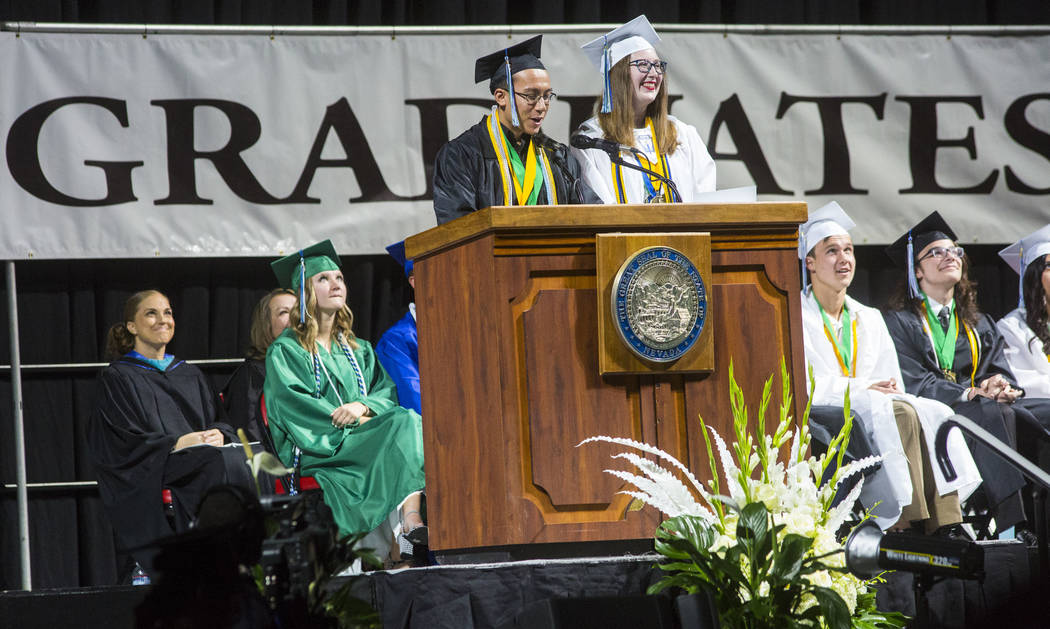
x: 243, y: 391
x: 951, y: 352
x: 154, y: 428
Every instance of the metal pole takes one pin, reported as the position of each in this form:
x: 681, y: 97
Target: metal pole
x: 19, y: 444
x: 515, y: 30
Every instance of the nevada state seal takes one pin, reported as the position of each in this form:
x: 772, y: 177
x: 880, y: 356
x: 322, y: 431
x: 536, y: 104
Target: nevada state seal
x: 659, y: 304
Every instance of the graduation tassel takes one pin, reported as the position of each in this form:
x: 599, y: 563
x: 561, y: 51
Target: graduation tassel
x: 510, y: 87
x: 302, y: 287
x: 913, y: 287
x: 606, y: 82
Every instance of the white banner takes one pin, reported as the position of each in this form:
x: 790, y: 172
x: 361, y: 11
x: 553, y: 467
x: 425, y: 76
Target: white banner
x: 247, y: 145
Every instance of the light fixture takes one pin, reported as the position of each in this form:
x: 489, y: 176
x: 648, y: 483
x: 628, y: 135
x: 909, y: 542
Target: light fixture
x: 869, y: 551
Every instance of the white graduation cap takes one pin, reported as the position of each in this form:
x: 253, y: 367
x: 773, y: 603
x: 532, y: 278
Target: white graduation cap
x: 829, y: 220
x: 605, y: 51
x: 1025, y: 251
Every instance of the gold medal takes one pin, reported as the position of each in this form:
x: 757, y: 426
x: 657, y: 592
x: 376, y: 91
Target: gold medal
x: 949, y: 374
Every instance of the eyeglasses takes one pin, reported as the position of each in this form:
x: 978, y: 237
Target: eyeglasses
x: 939, y: 253
x: 532, y: 99
x: 644, y: 66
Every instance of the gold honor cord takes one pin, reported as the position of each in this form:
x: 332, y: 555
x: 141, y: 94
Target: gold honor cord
x: 617, y: 177
x: 525, y: 190
x: 850, y: 370
x: 974, y: 351
x: 842, y: 346
x: 495, y: 135
x: 661, y: 167
x: 499, y: 146
x: 509, y: 163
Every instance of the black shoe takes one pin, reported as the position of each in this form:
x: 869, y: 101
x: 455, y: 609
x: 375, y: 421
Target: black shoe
x: 953, y: 532
x: 419, y: 536
x: 1026, y: 537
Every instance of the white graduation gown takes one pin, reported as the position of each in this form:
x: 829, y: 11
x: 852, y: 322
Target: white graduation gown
x: 692, y: 169
x: 877, y: 361
x: 1024, y: 353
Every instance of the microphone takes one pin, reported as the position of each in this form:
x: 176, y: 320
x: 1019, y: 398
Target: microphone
x: 556, y: 147
x: 582, y: 141
x: 548, y: 143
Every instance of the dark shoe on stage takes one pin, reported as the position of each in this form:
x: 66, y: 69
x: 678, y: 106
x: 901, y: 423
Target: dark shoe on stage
x: 953, y: 532
x: 419, y: 536
x: 1026, y: 537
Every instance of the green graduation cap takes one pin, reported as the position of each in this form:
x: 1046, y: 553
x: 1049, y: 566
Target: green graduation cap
x: 293, y: 269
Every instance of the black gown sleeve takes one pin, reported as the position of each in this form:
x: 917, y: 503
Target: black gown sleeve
x: 241, y: 397
x: 580, y: 192
x: 456, y: 173
x: 993, y: 352
x: 922, y: 376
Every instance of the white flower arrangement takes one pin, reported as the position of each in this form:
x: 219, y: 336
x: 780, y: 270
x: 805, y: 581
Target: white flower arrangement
x: 716, y: 533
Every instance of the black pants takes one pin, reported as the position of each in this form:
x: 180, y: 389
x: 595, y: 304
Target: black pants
x: 825, y: 422
x: 1002, y: 482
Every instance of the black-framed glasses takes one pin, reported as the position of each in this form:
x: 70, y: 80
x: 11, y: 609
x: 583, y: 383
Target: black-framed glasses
x: 644, y: 66
x: 939, y: 253
x: 532, y: 99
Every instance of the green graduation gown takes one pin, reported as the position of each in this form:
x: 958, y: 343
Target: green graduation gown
x: 365, y: 472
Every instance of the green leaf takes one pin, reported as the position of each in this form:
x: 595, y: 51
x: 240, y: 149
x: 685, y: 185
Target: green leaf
x: 760, y: 434
x: 754, y: 520
x: 788, y: 562
x: 833, y: 608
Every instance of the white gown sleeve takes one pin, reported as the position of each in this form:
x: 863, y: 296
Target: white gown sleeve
x: 703, y: 167
x: 593, y: 175
x: 1027, y: 361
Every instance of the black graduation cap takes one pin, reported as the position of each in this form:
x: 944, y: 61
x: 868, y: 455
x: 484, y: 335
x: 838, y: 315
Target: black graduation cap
x: 903, y: 250
x: 522, y: 56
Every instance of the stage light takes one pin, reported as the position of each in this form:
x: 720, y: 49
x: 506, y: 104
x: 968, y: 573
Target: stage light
x: 870, y: 551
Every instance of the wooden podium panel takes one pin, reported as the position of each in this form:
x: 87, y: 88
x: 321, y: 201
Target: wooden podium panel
x: 508, y: 329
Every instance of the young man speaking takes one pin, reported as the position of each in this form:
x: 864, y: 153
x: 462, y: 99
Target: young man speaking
x: 506, y: 159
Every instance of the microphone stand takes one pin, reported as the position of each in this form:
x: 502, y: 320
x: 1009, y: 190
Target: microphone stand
x: 574, y: 182
x: 1014, y: 459
x: 616, y: 159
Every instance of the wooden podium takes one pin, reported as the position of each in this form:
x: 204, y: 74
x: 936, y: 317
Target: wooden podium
x: 508, y: 319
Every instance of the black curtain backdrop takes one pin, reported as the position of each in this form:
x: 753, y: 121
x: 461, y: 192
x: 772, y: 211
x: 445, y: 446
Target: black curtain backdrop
x: 458, y: 12
x: 65, y: 307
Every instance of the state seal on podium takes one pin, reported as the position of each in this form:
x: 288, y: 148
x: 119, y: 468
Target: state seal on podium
x: 659, y: 304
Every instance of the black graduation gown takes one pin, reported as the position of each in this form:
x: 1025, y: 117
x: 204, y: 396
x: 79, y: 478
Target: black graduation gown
x: 467, y: 176
x: 923, y: 377
x: 140, y: 414
x: 241, y: 397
